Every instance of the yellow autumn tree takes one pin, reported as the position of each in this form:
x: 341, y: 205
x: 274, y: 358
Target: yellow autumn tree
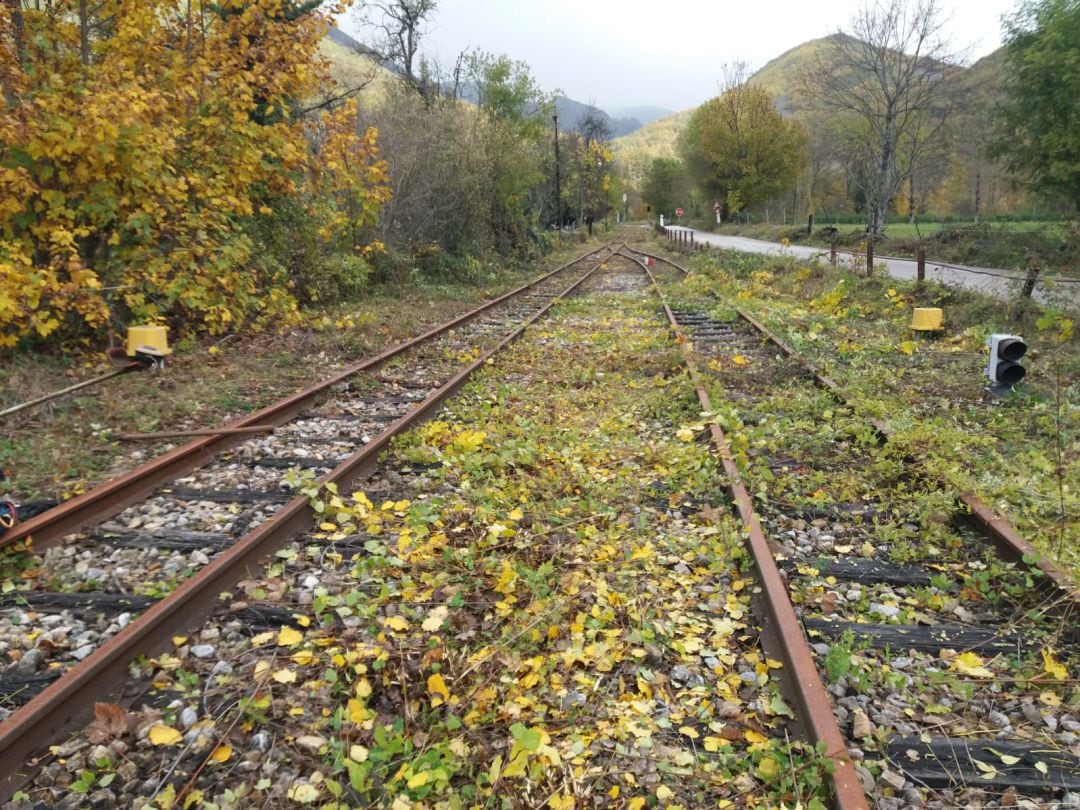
x: 135, y: 147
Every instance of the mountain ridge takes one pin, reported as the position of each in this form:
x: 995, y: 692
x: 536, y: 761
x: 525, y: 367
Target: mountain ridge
x: 782, y: 77
x: 571, y: 112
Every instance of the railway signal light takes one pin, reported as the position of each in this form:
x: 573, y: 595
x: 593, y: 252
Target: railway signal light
x: 1003, y: 368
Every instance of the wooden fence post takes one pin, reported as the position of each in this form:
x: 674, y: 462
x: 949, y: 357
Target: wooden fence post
x: 832, y: 253
x: 920, y: 272
x: 1033, y: 271
x: 869, y: 257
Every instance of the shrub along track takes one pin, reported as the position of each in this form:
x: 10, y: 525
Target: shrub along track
x: 213, y: 506
x: 531, y: 600
x: 950, y: 646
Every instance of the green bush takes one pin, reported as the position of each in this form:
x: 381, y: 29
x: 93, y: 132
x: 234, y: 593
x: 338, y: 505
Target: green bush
x: 338, y: 277
x: 435, y: 264
x: 288, y: 237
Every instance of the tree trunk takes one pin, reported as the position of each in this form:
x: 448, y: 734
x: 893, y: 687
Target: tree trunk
x: 187, y: 35
x: 911, y: 200
x: 978, y: 191
x: 880, y: 203
x: 84, y: 33
x: 18, y: 29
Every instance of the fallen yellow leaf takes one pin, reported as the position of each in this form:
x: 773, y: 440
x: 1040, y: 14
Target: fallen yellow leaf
x: 161, y: 734
x: 768, y: 768
x: 971, y: 664
x: 435, y: 619
x: 396, y: 623
x: 222, y: 753
x: 713, y: 744
x: 303, y: 794
x: 289, y: 636
x: 418, y: 779
x: 437, y: 686
x: 1053, y: 667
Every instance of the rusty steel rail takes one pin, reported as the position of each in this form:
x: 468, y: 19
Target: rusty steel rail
x: 127, y: 368
x: 1006, y: 539
x: 68, y: 701
x: 815, y: 709
x: 111, y: 497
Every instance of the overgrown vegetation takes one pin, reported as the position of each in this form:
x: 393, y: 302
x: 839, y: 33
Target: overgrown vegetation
x: 64, y: 448
x: 1020, y: 455
x: 145, y: 156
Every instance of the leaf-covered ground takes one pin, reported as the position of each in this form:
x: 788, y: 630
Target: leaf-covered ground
x: 533, y: 604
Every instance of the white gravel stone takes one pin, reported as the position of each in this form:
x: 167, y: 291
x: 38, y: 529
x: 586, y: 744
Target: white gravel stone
x: 188, y: 717
x: 887, y: 611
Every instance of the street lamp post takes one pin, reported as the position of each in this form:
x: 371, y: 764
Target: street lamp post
x: 558, y: 179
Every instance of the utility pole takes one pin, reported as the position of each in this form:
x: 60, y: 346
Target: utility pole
x: 558, y: 178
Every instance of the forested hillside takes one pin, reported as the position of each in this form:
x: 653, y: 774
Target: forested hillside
x: 955, y: 178
x: 659, y: 139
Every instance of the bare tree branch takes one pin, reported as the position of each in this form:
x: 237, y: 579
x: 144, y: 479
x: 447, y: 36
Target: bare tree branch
x: 894, y: 77
x: 400, y: 24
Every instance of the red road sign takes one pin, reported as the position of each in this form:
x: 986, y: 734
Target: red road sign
x: 678, y: 212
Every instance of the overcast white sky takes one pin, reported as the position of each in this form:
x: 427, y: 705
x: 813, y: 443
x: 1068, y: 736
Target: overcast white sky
x: 631, y: 52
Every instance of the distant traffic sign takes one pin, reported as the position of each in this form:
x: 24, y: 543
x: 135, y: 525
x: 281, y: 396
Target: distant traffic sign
x: 678, y: 212
x: 716, y: 207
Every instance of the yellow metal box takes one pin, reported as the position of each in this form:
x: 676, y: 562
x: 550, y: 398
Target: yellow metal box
x: 155, y: 338
x: 927, y: 319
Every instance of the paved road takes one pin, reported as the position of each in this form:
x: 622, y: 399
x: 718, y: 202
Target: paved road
x: 1003, y: 284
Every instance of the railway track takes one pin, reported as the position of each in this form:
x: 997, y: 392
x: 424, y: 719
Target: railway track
x: 114, y: 574
x: 313, y: 574
x: 948, y: 643
x: 248, y: 643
